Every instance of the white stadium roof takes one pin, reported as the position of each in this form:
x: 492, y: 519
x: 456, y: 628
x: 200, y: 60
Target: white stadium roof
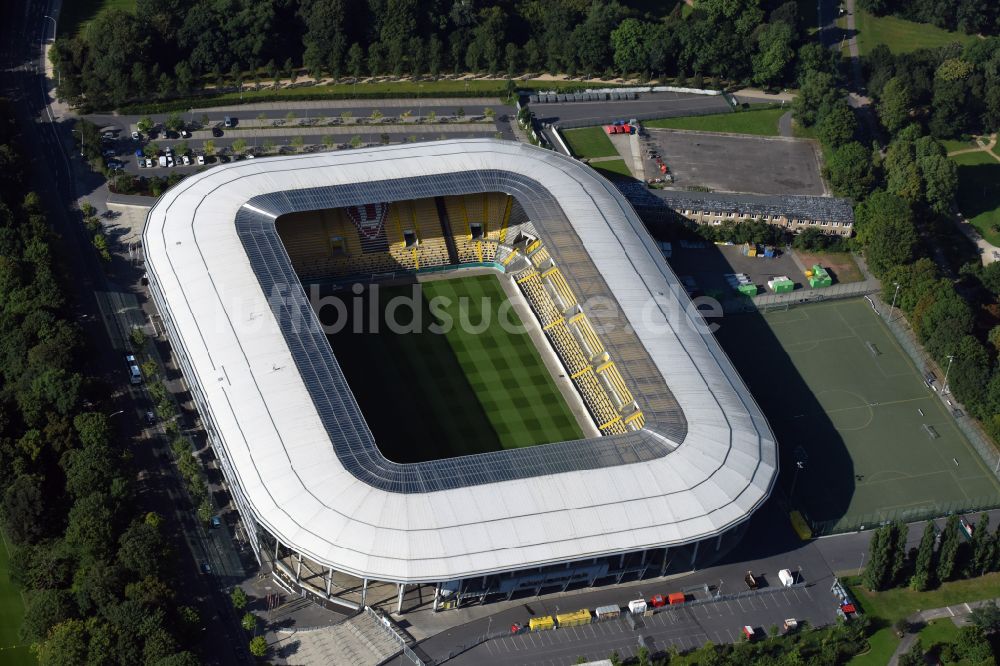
x: 300, y: 458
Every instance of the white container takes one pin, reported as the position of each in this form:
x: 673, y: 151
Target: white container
x: 637, y: 606
x: 786, y: 577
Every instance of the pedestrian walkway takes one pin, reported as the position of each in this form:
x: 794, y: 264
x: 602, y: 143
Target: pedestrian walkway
x: 983, y: 148
x: 358, y: 640
x: 959, y: 614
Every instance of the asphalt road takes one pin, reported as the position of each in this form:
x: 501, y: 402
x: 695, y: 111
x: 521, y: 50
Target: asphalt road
x: 769, y: 545
x: 54, y: 176
x: 647, y: 105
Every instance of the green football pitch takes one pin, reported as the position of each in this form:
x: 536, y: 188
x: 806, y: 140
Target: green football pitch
x: 858, y: 414
x: 441, y: 392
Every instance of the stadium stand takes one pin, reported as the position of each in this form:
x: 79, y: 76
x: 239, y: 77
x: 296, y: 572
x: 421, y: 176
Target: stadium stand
x: 413, y: 235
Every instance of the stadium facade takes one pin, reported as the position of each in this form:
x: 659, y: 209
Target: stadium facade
x: 684, y: 455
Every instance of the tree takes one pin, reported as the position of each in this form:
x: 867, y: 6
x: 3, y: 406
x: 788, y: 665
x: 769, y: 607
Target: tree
x: 940, y: 177
x: 897, y: 535
x: 355, y: 61
x: 850, y: 170
x: 817, y: 91
x: 973, y: 645
x: 298, y: 142
x: 885, y: 228
x: 145, y: 124
x: 239, y: 598
x: 895, y: 104
x: 628, y: 44
x: 65, y: 644
x: 258, y: 646
x: 923, y: 569
x: 878, y: 574
x: 512, y: 58
x: 141, y: 548
x: 346, y: 116
x: 948, y: 552
x: 249, y: 621
x: 24, y: 512
x: 384, y: 139
x: 376, y: 115
x: 774, y: 43
x: 837, y: 125
x: 90, y: 525
x: 356, y: 141
x: 174, y: 122
x: 239, y: 146
x: 45, y: 609
x: 209, y: 147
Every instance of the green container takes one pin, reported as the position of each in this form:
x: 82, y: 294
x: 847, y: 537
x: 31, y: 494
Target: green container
x: 820, y: 278
x: 747, y: 289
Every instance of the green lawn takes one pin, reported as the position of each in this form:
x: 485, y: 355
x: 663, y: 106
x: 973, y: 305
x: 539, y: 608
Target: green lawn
x: 612, y: 169
x: 938, y: 631
x: 882, y: 644
x: 437, y: 393
x: 73, y: 15
x: 953, y: 144
x: 589, y: 142
x: 979, y: 192
x: 12, y: 652
x: 901, y: 602
x: 859, y: 416
x: 900, y: 35
x: 763, y: 122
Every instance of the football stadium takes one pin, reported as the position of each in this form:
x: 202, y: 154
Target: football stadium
x: 451, y: 372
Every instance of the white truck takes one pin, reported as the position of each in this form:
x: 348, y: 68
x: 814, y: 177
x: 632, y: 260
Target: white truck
x: 163, y: 160
x: 637, y: 606
x: 786, y: 577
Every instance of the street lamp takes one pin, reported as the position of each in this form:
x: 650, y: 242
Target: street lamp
x: 114, y: 414
x: 893, y: 306
x: 54, y: 25
x: 799, y: 466
x: 945, y: 390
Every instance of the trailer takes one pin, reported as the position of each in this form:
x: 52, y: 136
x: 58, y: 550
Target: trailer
x: 543, y: 623
x: 607, y: 612
x: 749, y: 633
x: 676, y: 598
x: 751, y: 581
x: 637, y: 606
x: 786, y: 577
x: 574, y: 619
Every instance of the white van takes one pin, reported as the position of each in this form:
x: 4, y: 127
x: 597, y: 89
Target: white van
x: 134, y: 373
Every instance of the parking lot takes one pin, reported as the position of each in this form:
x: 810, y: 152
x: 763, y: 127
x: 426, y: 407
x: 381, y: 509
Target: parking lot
x: 645, y: 106
x: 269, y: 129
x: 737, y: 163
x: 685, y: 627
x: 708, y: 267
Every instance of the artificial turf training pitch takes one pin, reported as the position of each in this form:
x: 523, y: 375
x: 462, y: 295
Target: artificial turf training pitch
x: 428, y: 395
x: 858, y: 414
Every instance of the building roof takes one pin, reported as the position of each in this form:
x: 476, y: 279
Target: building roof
x: 294, y: 440
x: 832, y: 209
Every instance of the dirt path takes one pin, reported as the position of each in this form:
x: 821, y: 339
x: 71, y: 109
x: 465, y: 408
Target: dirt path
x: 988, y: 148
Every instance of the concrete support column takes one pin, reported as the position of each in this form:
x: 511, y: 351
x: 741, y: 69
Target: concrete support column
x: 718, y: 543
x: 364, y: 592
x: 329, y: 580
x: 298, y: 569
x: 663, y: 568
x: 437, y: 595
x: 694, y: 555
x: 399, y: 598
x: 277, y: 544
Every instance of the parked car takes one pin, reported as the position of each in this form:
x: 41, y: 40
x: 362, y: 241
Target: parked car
x: 206, y: 567
x: 170, y: 161
x: 185, y: 134
x: 216, y: 522
x: 150, y: 417
x: 149, y: 163
x: 230, y: 121
x: 136, y: 136
x: 200, y: 159
x: 141, y: 163
x: 186, y: 160
x: 250, y: 156
x: 134, y: 373
x: 217, y: 131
